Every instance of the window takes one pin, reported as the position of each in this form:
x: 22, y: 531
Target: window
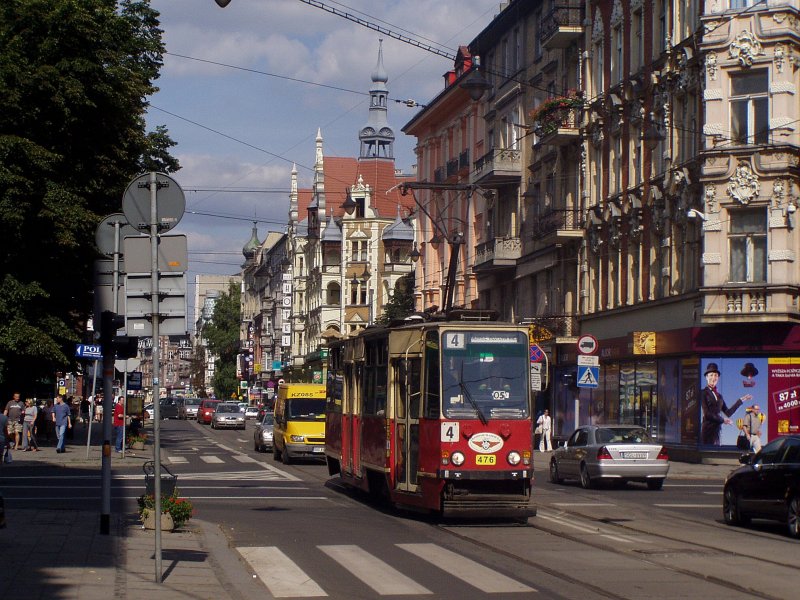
x: 750, y: 107
x: 432, y: 375
x: 637, y: 22
x: 748, y: 246
x: 616, y: 54
x: 597, y: 74
x: 742, y: 3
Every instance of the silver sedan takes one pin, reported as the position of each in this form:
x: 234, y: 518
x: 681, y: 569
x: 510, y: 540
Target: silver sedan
x: 227, y: 415
x: 618, y: 453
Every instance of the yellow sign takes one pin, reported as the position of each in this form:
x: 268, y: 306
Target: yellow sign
x: 62, y: 391
x: 257, y: 367
x: 644, y: 342
x: 538, y: 334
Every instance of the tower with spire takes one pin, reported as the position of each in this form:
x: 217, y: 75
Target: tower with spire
x: 377, y: 136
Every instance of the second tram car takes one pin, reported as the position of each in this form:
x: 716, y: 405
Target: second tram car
x: 434, y: 415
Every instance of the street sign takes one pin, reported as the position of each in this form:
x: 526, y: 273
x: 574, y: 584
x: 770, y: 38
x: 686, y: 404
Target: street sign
x: 588, y: 377
x: 93, y: 351
x: 173, y: 254
x: 170, y: 202
x: 104, y: 234
x: 537, y: 354
x: 588, y: 360
x: 135, y: 381
x: 536, y: 377
x: 587, y: 344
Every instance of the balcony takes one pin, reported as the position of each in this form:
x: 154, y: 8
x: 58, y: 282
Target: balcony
x: 557, y: 121
x: 463, y: 160
x: 499, y: 166
x: 750, y: 303
x: 439, y: 175
x: 498, y: 254
x: 562, y: 26
x: 452, y: 168
x: 557, y: 226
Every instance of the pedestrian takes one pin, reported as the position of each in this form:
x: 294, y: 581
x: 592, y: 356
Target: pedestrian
x: 48, y: 419
x: 118, y: 421
x: 545, y: 424
x: 63, y: 421
x: 29, y: 427
x: 73, y: 412
x: 4, y: 440
x: 751, y: 425
x: 15, y: 411
x: 85, y: 411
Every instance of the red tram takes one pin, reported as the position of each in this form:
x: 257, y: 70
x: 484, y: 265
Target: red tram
x: 434, y: 415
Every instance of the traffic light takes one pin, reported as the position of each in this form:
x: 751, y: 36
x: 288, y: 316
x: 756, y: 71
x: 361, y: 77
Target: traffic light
x: 124, y: 347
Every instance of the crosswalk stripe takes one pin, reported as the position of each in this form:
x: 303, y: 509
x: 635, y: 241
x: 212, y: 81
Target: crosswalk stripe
x: 177, y: 459
x: 243, y: 458
x: 283, y: 578
x: 473, y: 573
x: 381, y: 577
x: 211, y: 459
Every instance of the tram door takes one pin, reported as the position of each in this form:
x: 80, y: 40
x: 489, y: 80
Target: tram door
x: 408, y: 407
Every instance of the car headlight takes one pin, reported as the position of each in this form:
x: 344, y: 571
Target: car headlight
x: 514, y: 458
x: 457, y: 458
x: 266, y: 435
x: 296, y: 438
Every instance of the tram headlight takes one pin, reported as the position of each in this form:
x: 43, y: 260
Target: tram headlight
x: 457, y: 459
x: 514, y: 457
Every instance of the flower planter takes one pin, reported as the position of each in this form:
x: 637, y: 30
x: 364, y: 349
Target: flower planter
x: 149, y: 521
x: 137, y: 446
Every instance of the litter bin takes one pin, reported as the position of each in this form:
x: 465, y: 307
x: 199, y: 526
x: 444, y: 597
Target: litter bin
x: 168, y: 480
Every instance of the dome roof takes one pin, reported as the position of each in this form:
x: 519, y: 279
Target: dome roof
x: 399, y: 230
x: 252, y: 245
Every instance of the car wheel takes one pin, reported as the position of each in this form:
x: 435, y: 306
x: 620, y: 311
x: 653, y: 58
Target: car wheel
x: 554, y: 475
x: 730, y: 508
x: 275, y: 454
x: 655, y: 484
x: 793, y: 520
x: 586, y: 480
x: 285, y: 457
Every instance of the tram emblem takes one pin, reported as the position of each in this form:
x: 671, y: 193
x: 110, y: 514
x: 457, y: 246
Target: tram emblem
x: 486, y: 443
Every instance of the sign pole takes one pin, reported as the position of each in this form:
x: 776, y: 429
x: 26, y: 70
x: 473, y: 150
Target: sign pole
x: 153, y: 183
x: 91, y: 409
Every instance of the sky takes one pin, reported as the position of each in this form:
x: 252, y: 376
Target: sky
x: 230, y: 97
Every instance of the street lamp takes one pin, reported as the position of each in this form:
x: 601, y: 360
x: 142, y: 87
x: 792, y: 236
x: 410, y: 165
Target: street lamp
x: 222, y: 3
x: 476, y: 84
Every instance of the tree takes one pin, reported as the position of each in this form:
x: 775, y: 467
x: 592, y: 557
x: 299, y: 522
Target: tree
x: 401, y: 303
x: 74, y: 78
x: 222, y: 337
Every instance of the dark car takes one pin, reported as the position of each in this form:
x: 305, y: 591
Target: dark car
x: 168, y: 407
x: 767, y: 486
x: 611, y: 453
x: 205, y: 412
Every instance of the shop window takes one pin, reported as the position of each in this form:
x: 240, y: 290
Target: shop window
x: 748, y: 246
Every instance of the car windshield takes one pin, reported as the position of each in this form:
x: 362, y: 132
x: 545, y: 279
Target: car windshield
x: 192, y: 401
x: 268, y: 419
x: 622, y: 435
x: 227, y: 408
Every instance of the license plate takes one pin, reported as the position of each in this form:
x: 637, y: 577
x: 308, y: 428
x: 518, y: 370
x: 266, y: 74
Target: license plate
x: 634, y: 455
x: 318, y: 449
x: 485, y: 459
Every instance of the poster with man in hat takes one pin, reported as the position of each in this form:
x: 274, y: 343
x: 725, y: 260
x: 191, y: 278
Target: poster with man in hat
x: 715, y: 411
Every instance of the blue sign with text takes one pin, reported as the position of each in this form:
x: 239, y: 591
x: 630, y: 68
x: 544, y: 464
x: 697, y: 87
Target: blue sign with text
x: 93, y: 351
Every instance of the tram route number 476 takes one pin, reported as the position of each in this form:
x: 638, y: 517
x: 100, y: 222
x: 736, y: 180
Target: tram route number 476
x: 450, y: 431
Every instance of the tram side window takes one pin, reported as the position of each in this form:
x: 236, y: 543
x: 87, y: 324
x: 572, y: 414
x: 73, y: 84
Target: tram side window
x: 407, y: 384
x: 335, y: 384
x: 432, y: 375
x: 375, y: 378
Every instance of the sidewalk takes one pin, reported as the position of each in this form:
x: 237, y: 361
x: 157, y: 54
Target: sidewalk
x: 54, y: 555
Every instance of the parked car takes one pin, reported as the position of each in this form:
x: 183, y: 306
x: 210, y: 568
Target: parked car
x: 227, y: 415
x: 251, y: 412
x: 206, y: 410
x: 148, y: 411
x: 263, y: 435
x: 242, y: 406
x: 187, y: 408
x: 766, y: 486
x: 620, y: 453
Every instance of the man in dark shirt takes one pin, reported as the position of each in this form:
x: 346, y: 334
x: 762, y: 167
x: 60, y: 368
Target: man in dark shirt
x: 63, y: 420
x: 14, y: 411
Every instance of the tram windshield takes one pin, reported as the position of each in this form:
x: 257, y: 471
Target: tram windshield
x: 485, y: 375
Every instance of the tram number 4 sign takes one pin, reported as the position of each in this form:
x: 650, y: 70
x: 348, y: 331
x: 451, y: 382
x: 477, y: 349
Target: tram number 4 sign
x: 450, y: 431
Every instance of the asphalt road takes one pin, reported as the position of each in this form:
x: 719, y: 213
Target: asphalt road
x: 304, y: 535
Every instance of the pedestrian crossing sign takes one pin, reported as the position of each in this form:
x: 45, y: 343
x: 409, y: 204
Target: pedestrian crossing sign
x: 588, y: 376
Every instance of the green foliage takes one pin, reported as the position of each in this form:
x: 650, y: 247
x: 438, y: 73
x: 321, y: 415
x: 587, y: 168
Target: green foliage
x: 180, y: 509
x: 222, y: 337
x: 401, y: 304
x: 74, y: 77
